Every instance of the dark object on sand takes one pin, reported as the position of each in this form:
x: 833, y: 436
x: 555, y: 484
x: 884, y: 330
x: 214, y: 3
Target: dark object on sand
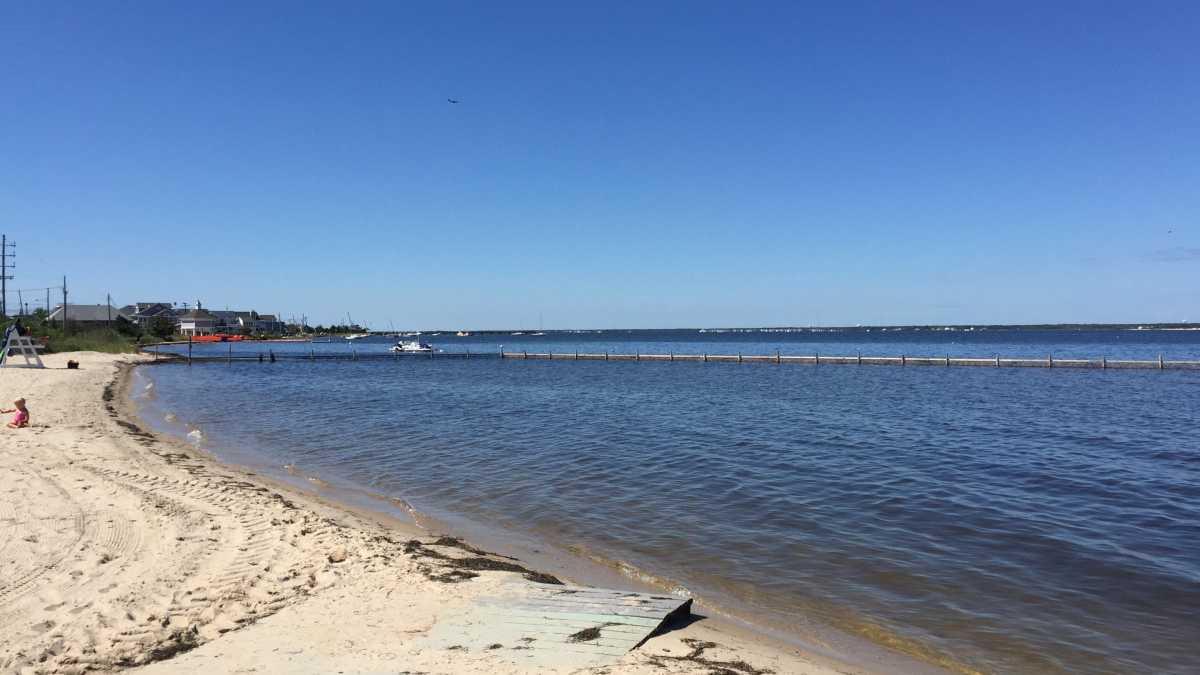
x: 72, y: 365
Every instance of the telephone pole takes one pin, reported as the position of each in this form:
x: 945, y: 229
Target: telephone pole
x: 5, y: 266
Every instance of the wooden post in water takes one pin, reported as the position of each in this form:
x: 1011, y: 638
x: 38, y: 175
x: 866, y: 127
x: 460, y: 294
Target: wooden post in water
x: 637, y: 355
x: 947, y: 360
x: 1104, y: 363
x: 525, y: 354
x: 229, y: 358
x: 706, y: 357
x: 1160, y: 362
x: 997, y: 360
x: 155, y: 352
x: 903, y: 360
x: 778, y: 360
x: 859, y: 357
x: 1049, y: 360
x: 189, y: 339
x: 739, y: 357
x: 605, y: 354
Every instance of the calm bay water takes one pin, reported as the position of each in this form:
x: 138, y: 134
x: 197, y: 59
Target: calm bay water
x: 1018, y: 520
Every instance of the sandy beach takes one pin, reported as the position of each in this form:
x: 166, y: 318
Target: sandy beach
x: 122, y: 549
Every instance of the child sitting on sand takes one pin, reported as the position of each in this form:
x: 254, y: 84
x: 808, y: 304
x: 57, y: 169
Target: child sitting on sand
x: 21, y: 419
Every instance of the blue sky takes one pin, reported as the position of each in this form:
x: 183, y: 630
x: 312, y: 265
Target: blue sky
x: 622, y: 164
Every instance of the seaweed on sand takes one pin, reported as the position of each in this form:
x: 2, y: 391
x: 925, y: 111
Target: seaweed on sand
x: 462, y: 569
x: 735, y: 667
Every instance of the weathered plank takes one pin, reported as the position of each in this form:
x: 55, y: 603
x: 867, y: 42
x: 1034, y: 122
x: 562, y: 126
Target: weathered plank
x: 553, y: 625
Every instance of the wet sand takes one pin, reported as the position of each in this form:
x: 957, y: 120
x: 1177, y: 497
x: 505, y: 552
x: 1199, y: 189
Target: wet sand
x: 121, y: 548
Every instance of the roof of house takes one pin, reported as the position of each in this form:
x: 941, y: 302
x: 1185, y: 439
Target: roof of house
x: 89, y: 313
x: 197, y: 315
x: 232, y: 315
x: 148, y: 309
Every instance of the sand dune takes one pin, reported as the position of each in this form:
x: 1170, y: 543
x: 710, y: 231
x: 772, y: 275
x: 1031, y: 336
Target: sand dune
x: 121, y: 549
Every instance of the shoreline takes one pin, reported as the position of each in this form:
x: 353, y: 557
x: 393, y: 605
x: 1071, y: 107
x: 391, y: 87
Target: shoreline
x: 133, y: 549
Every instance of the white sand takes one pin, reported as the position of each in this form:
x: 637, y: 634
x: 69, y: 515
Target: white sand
x: 119, y: 548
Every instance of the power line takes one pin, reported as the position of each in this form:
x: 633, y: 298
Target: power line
x: 4, y: 268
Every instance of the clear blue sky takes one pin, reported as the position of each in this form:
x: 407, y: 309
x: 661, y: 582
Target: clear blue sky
x: 626, y: 165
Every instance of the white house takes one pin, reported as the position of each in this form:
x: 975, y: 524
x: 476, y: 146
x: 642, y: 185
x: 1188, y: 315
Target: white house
x: 197, y: 322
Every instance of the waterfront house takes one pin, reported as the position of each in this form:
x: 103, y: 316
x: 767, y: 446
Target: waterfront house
x: 144, y: 313
x: 197, y: 321
x: 88, y: 315
x: 251, y: 322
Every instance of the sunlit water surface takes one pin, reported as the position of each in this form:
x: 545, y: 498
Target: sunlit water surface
x: 1017, y: 520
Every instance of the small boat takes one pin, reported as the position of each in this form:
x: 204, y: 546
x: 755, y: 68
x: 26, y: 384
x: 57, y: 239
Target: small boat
x: 412, y: 346
x: 463, y: 333
x: 358, y: 336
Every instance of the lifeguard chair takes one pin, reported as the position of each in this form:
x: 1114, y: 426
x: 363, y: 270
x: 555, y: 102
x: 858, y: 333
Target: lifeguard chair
x: 16, y: 345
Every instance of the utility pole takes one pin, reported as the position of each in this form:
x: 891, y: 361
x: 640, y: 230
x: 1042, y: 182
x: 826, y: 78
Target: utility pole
x: 108, y: 308
x: 47, y: 305
x: 4, y: 275
x: 64, y: 304
x: 20, y: 303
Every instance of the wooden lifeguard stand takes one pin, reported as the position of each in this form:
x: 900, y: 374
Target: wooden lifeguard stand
x: 15, y: 345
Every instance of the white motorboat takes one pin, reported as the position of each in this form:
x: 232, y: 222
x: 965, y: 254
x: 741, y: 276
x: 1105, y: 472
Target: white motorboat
x: 412, y: 346
x: 358, y: 336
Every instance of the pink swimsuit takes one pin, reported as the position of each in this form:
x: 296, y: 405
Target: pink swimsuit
x: 20, y: 418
